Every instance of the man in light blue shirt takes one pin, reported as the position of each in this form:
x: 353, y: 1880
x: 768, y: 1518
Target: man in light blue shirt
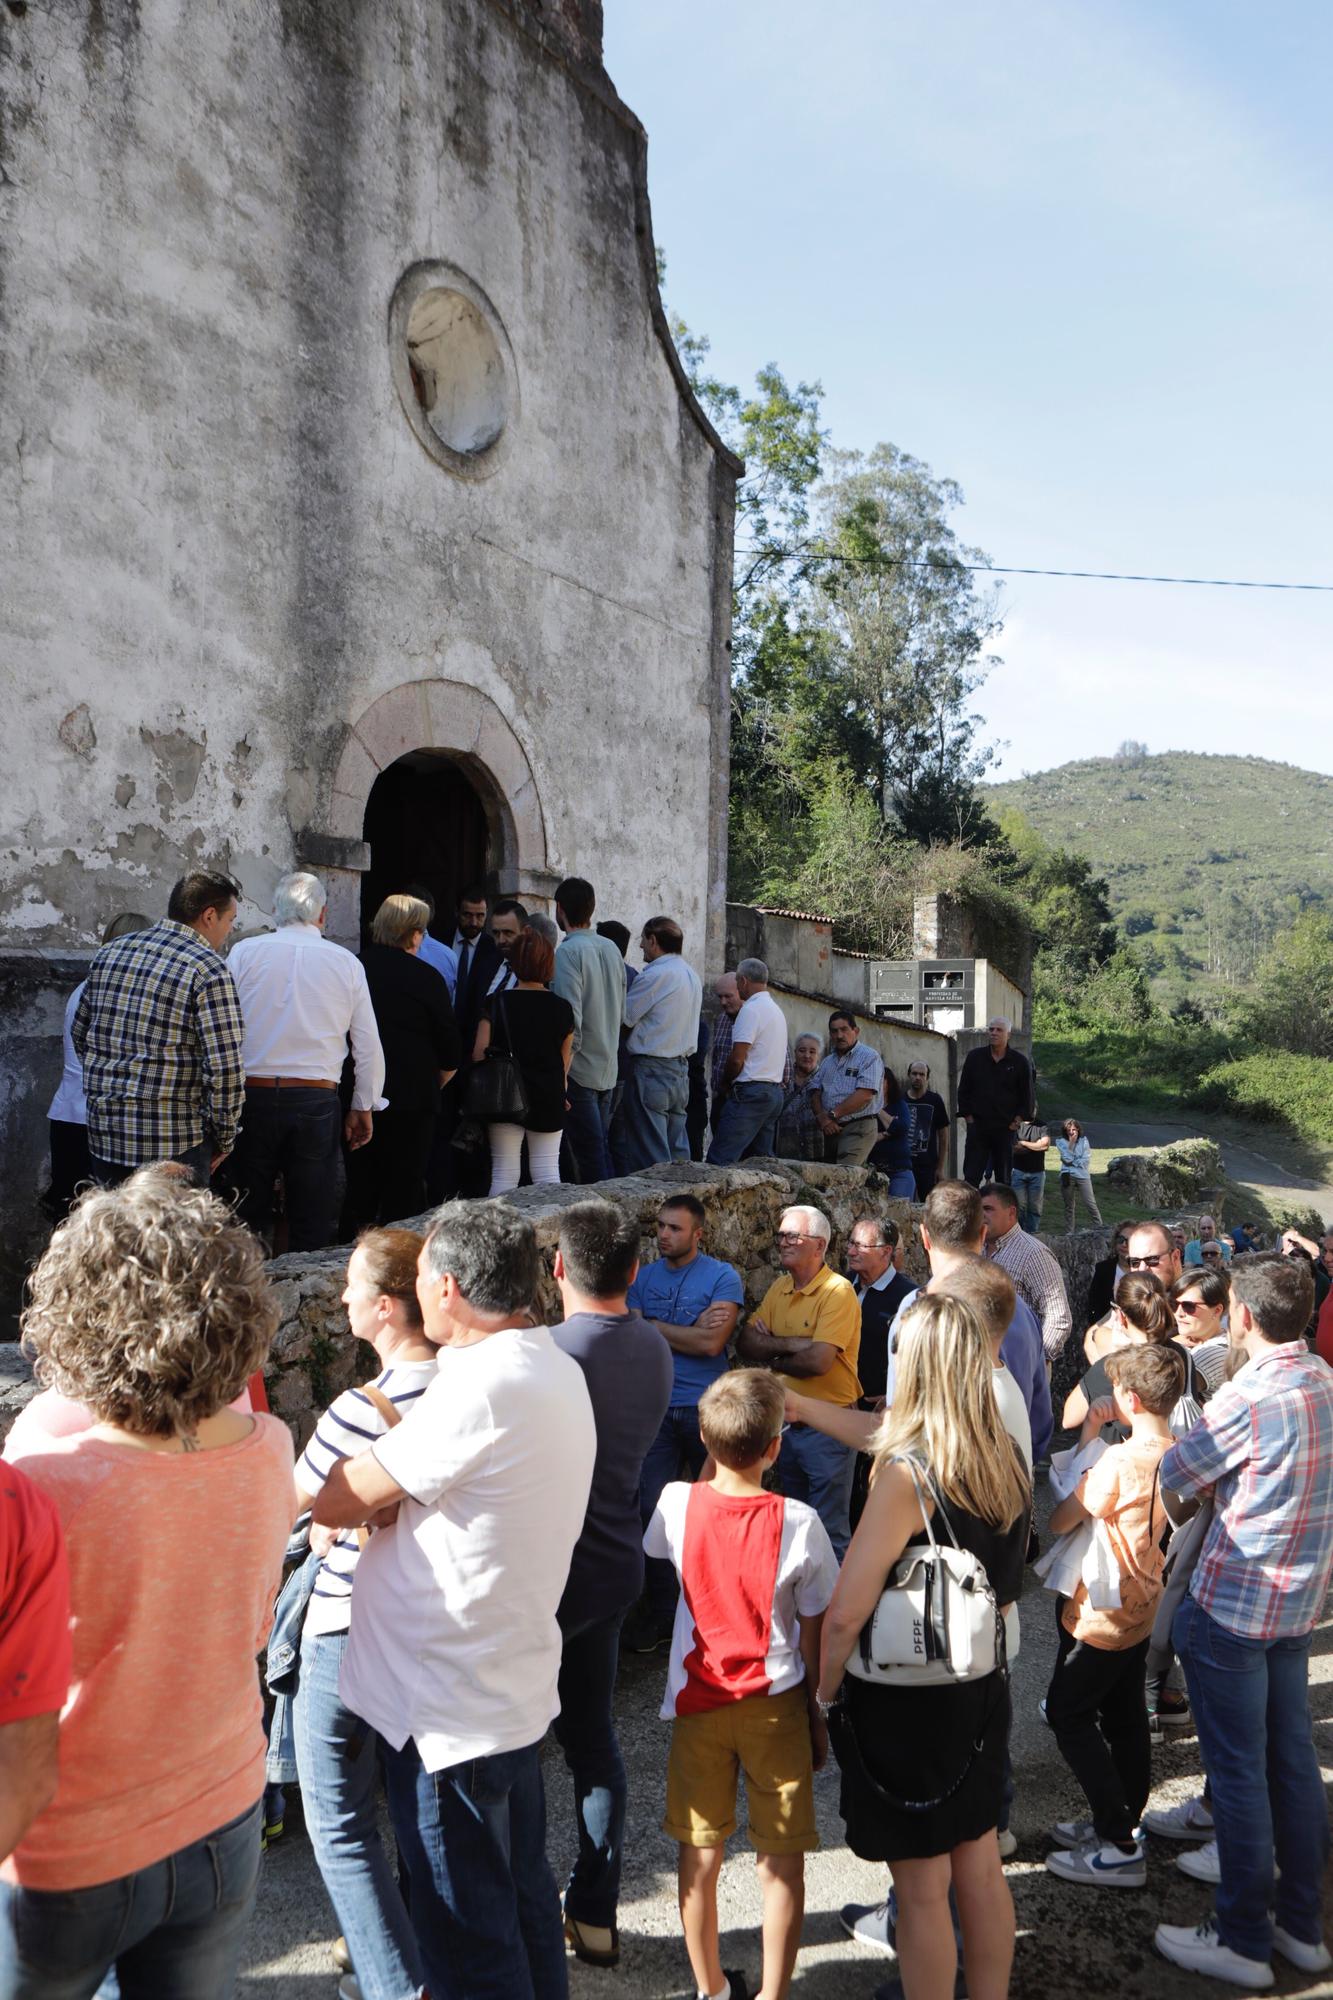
x: 662, y: 1014
x: 430, y: 950
x: 847, y: 1090
x: 590, y: 974
x: 694, y: 1301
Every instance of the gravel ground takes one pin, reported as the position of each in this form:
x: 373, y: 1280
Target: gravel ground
x: 1073, y: 1944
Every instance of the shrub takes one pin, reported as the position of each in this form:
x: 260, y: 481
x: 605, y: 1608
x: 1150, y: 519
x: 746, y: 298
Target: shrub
x: 1274, y: 1088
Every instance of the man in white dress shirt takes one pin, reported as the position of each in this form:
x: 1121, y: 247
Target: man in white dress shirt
x: 662, y: 1014
x: 750, y: 1095
x: 302, y: 1000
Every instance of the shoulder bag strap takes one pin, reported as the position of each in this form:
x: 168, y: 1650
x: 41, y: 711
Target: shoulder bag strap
x: 391, y: 1416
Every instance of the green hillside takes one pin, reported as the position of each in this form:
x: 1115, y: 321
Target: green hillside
x: 1205, y: 857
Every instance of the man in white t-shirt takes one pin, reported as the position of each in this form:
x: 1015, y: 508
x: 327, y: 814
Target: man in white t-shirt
x: 454, y: 1650
x: 745, y: 1110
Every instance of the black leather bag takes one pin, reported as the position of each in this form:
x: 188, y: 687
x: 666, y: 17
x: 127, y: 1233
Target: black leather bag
x: 496, y: 1092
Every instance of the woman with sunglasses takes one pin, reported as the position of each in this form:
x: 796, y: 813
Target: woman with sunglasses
x: 1200, y: 1300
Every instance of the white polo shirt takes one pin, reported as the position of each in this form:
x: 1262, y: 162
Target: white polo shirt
x: 761, y: 1023
x: 454, y: 1640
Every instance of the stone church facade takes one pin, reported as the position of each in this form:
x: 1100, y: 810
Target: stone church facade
x: 354, y: 509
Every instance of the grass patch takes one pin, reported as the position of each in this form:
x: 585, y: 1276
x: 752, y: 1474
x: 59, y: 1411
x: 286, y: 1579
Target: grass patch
x: 1292, y: 1093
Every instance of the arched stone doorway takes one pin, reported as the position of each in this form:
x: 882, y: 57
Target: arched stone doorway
x: 457, y: 735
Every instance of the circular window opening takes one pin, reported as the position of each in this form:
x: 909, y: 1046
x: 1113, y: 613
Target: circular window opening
x: 457, y: 371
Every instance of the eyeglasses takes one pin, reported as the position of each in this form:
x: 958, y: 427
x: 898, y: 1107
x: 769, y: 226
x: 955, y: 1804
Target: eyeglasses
x: 781, y: 1432
x: 794, y: 1236
x: 1147, y: 1263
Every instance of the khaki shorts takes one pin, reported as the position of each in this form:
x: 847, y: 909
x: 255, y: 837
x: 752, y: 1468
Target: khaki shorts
x: 767, y: 1737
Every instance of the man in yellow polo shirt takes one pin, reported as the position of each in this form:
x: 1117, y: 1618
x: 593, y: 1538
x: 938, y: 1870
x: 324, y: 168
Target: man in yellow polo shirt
x: 808, y: 1331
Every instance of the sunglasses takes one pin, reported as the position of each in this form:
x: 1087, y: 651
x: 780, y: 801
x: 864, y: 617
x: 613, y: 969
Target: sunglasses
x: 1191, y: 1306
x: 1146, y: 1263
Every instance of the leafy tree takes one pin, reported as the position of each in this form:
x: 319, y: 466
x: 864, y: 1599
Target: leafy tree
x: 1292, y: 1007
x: 910, y: 626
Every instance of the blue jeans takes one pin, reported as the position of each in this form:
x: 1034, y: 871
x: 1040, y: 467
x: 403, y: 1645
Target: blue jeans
x: 676, y: 1452
x: 1031, y: 1192
x: 173, y: 1930
x: 652, y: 1111
x: 336, y: 1765
x: 818, y: 1470
x: 748, y: 1122
x: 485, y: 1907
x: 298, y: 1134
x: 585, y: 1730
x: 1251, y: 1708
x: 587, y: 1129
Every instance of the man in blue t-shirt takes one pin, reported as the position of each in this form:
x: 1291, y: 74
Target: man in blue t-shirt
x: 694, y: 1301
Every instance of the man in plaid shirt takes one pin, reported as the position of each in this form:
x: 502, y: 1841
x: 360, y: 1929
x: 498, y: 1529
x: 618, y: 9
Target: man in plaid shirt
x: 1264, y: 1450
x: 159, y: 1033
x: 1037, y: 1277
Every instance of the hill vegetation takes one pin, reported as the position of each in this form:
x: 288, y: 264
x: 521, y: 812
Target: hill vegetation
x: 1207, y: 860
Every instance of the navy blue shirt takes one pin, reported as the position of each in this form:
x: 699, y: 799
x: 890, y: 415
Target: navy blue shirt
x: 627, y: 1367
x: 678, y: 1297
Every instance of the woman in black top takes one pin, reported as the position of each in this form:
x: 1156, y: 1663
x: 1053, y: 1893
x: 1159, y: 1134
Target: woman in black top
x: 386, y: 1179
x: 536, y: 1028
x: 1142, y: 1314
x: 923, y: 1768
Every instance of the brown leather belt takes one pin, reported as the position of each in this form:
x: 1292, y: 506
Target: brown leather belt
x: 289, y: 1083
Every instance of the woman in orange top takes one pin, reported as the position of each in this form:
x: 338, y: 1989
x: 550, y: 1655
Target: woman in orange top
x: 152, y: 1307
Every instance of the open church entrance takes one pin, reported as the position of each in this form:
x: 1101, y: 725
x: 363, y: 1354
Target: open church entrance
x: 425, y: 824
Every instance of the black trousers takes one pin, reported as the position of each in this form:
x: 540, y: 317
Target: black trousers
x: 386, y: 1180
x: 1096, y: 1708
x: 294, y: 1132
x: 988, y: 1153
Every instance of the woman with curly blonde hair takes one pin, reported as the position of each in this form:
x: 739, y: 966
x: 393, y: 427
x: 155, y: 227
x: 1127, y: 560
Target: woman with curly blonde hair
x: 151, y: 1307
x: 923, y: 1767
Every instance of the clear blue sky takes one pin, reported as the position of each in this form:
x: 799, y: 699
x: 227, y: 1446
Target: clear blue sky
x: 1080, y: 259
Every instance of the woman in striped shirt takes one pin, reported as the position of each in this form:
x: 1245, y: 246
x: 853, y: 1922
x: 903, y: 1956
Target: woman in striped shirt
x: 336, y: 1750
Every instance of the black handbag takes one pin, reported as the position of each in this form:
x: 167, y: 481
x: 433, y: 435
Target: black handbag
x: 495, y: 1091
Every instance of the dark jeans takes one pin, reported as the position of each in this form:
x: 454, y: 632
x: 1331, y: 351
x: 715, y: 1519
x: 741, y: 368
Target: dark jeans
x: 925, y: 1174
x: 386, y: 1180
x: 587, y: 1130
x: 747, y: 1123
x: 1251, y: 1707
x: 110, y: 1173
x: 677, y: 1452
x: 173, y: 1930
x: 585, y: 1730
x: 1096, y: 1708
x: 71, y: 1166
x: 294, y: 1133
x: 485, y: 1907
x: 988, y: 1153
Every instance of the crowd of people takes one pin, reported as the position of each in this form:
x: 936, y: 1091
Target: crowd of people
x: 471, y: 1538
x: 358, y: 1090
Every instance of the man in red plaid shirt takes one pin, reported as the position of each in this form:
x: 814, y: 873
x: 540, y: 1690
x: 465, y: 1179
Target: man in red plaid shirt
x: 1264, y: 1450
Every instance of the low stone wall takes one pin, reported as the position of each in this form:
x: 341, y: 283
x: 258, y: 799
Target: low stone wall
x: 314, y: 1355
x: 1167, y: 1177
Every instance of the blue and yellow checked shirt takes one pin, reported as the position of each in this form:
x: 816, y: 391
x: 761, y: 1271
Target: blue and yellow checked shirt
x: 158, y: 1031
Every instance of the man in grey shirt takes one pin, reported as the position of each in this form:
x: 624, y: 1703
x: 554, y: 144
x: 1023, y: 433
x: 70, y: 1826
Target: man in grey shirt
x: 846, y: 1092
x: 589, y: 974
x: 662, y: 1015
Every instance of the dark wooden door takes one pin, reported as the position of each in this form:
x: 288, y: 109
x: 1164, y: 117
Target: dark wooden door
x: 425, y: 825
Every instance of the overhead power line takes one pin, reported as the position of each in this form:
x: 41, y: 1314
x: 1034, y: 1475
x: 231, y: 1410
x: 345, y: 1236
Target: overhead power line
x: 1015, y: 569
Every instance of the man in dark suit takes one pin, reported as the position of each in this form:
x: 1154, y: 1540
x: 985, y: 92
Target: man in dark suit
x: 451, y: 1172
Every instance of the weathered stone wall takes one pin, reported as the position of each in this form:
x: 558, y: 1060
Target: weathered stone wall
x: 314, y: 1355
x: 236, y: 580
x: 1167, y: 1177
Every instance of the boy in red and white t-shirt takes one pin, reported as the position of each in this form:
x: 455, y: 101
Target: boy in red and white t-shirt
x: 756, y: 1575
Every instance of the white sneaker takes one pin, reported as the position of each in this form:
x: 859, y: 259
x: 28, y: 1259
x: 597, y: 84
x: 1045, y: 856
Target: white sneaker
x: 870, y: 1924
x: 1190, y: 1821
x: 1008, y: 1844
x: 1309, y: 1957
x: 1202, y: 1950
x: 1100, y: 1867
x: 1201, y: 1862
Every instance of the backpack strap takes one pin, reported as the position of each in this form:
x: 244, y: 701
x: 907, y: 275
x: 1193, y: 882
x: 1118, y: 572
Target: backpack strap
x: 391, y: 1415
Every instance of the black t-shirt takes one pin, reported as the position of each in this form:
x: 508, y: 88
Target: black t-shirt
x: 1025, y: 1161
x: 929, y: 1117
x: 1097, y: 1383
x: 531, y: 1026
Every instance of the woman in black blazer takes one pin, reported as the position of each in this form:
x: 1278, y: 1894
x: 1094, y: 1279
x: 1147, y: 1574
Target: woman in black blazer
x: 386, y: 1180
